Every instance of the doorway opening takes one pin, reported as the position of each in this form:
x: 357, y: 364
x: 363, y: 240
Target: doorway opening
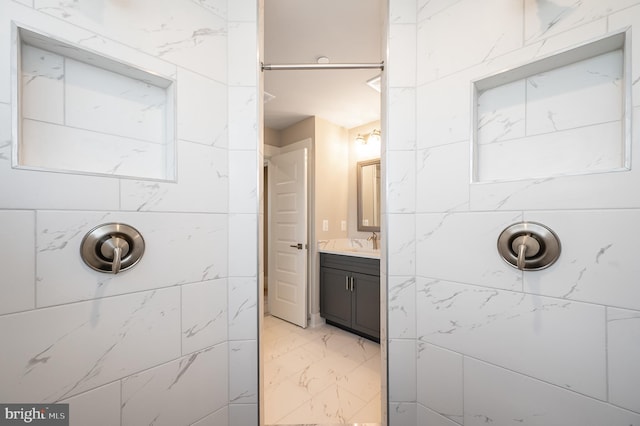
x: 304, y: 354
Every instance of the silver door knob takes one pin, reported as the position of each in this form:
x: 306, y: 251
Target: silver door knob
x: 112, y: 247
x: 529, y: 246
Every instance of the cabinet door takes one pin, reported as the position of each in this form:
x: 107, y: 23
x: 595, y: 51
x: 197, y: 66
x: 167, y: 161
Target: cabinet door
x: 335, y: 296
x: 366, y: 304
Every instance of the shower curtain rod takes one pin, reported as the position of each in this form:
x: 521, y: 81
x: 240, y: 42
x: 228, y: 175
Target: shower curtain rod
x: 287, y: 67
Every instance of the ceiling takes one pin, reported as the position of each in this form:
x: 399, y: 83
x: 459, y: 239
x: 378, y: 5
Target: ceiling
x: 301, y: 31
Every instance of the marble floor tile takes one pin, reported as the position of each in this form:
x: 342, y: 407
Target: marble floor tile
x: 321, y: 375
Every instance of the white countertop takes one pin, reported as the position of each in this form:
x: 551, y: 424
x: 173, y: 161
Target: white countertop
x: 351, y: 251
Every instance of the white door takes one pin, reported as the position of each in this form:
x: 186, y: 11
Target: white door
x: 287, y: 292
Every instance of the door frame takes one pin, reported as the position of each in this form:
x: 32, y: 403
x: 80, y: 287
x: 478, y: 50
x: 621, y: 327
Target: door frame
x: 312, y: 252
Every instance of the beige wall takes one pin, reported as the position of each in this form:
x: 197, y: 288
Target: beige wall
x: 301, y: 130
x: 332, y: 178
x: 271, y: 137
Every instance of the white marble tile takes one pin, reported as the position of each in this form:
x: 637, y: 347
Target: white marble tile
x: 586, y: 191
x: 242, y: 308
x: 467, y: 17
x: 75, y: 36
x: 623, y: 342
x: 401, y: 181
x: 118, y: 336
x: 243, y: 191
x: 243, y: 368
x: 243, y: 64
x: 301, y: 364
x: 431, y: 418
x: 401, y: 309
x: 440, y: 384
x: 370, y: 413
x: 401, y: 107
x: 219, y: 418
x: 592, y: 149
x: 42, y: 78
x: 281, y: 399
x: 574, y: 36
x: 202, y: 184
x: 32, y: 189
x: 501, y: 113
x: 402, y: 370
x: 514, y: 399
x: 542, y: 339
x: 243, y: 414
x: 178, y: 392
x: 180, y: 248
x: 600, y: 268
x: 544, y: 19
x: 443, y: 178
x: 202, y: 109
x: 243, y: 128
x: 402, y: 47
x: 289, y: 363
x: 242, y: 11
x: 26, y: 2
x: 204, y: 314
x: 104, y: 101
x: 219, y: 7
x: 403, y: 12
x: 243, y: 228
x: 402, y: 413
x: 581, y: 94
x: 70, y: 149
x: 428, y: 8
x: 629, y: 18
x: 448, y: 247
x: 17, y: 262
x: 364, y: 381
x: 334, y: 405
x: 444, y: 111
x: 97, y: 407
x: 401, y: 244
x: 188, y: 35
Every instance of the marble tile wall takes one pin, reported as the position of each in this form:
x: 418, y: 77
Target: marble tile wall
x: 172, y: 341
x: 485, y: 342
x: 93, y: 116
x: 567, y: 120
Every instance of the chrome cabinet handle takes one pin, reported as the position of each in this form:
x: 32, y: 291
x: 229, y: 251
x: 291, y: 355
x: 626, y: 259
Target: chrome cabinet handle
x: 346, y: 282
x: 352, y: 280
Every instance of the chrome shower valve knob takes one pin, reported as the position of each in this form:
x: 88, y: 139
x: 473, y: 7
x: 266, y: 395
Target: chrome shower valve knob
x: 112, y: 247
x: 529, y: 246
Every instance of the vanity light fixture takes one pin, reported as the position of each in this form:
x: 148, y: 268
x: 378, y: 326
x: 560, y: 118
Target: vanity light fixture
x: 373, y: 137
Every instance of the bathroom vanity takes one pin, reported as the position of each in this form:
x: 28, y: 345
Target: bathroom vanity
x: 350, y: 292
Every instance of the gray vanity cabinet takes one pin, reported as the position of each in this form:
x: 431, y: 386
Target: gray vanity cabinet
x: 350, y: 293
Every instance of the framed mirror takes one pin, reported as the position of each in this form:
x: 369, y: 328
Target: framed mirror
x: 369, y: 195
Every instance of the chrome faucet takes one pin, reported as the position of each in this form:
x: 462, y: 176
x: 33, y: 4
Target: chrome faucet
x: 374, y: 240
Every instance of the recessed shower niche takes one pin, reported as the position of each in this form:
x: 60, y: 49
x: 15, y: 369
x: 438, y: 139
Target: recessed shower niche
x: 565, y: 114
x: 78, y: 111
